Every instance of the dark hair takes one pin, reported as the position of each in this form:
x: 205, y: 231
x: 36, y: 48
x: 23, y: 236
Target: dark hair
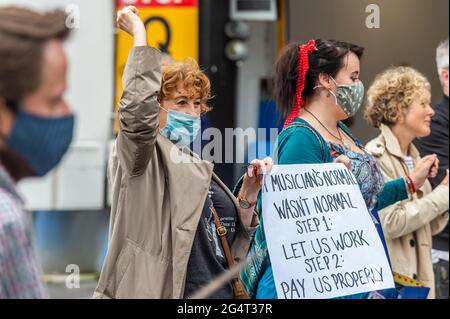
x: 23, y: 35
x: 328, y: 59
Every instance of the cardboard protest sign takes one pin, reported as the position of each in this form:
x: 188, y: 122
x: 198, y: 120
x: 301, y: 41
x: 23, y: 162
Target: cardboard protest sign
x: 321, y: 238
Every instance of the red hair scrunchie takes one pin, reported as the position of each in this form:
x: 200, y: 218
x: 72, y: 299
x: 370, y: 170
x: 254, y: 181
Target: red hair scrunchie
x: 303, y: 67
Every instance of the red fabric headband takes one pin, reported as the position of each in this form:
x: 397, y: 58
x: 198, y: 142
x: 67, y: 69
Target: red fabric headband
x: 303, y: 67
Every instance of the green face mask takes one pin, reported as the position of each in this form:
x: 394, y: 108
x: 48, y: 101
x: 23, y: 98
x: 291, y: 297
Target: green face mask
x: 348, y: 96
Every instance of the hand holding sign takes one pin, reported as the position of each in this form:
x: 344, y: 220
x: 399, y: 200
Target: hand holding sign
x: 254, y: 177
x: 342, y: 159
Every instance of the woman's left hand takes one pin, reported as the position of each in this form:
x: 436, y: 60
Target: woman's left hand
x: 344, y: 160
x: 254, y: 178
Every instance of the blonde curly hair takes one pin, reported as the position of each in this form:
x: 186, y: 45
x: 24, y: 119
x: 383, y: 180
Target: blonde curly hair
x: 193, y: 79
x: 391, y: 94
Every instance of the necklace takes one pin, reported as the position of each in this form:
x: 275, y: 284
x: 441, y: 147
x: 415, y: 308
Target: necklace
x: 339, y: 138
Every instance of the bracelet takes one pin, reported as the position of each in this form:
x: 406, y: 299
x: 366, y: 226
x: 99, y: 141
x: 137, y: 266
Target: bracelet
x: 413, y: 186
x: 408, y: 186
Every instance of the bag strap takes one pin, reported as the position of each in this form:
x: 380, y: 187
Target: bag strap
x: 222, y: 231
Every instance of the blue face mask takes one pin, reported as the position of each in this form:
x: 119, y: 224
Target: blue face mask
x: 181, y: 129
x: 41, y: 141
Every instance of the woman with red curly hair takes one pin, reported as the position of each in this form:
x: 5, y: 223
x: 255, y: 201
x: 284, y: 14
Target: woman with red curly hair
x: 172, y: 218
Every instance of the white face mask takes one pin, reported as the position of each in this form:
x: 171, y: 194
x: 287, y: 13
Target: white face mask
x: 348, y: 96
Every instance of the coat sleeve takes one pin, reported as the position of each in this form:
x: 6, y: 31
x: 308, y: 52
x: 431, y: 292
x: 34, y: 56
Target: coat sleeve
x: 139, y: 110
x: 393, y: 192
x: 407, y: 216
x: 439, y: 224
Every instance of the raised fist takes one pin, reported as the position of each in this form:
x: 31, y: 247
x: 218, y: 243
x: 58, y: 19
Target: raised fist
x: 128, y: 20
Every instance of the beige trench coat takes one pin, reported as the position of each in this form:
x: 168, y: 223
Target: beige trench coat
x: 156, y: 201
x: 409, y: 225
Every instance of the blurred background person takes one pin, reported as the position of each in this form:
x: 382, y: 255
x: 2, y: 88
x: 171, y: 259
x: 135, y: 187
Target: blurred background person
x: 437, y: 142
x: 36, y: 128
x: 399, y: 105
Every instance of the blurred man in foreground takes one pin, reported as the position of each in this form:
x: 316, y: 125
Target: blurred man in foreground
x: 36, y: 128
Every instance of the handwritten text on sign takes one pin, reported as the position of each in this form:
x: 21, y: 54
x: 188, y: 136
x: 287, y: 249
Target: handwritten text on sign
x: 321, y: 238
